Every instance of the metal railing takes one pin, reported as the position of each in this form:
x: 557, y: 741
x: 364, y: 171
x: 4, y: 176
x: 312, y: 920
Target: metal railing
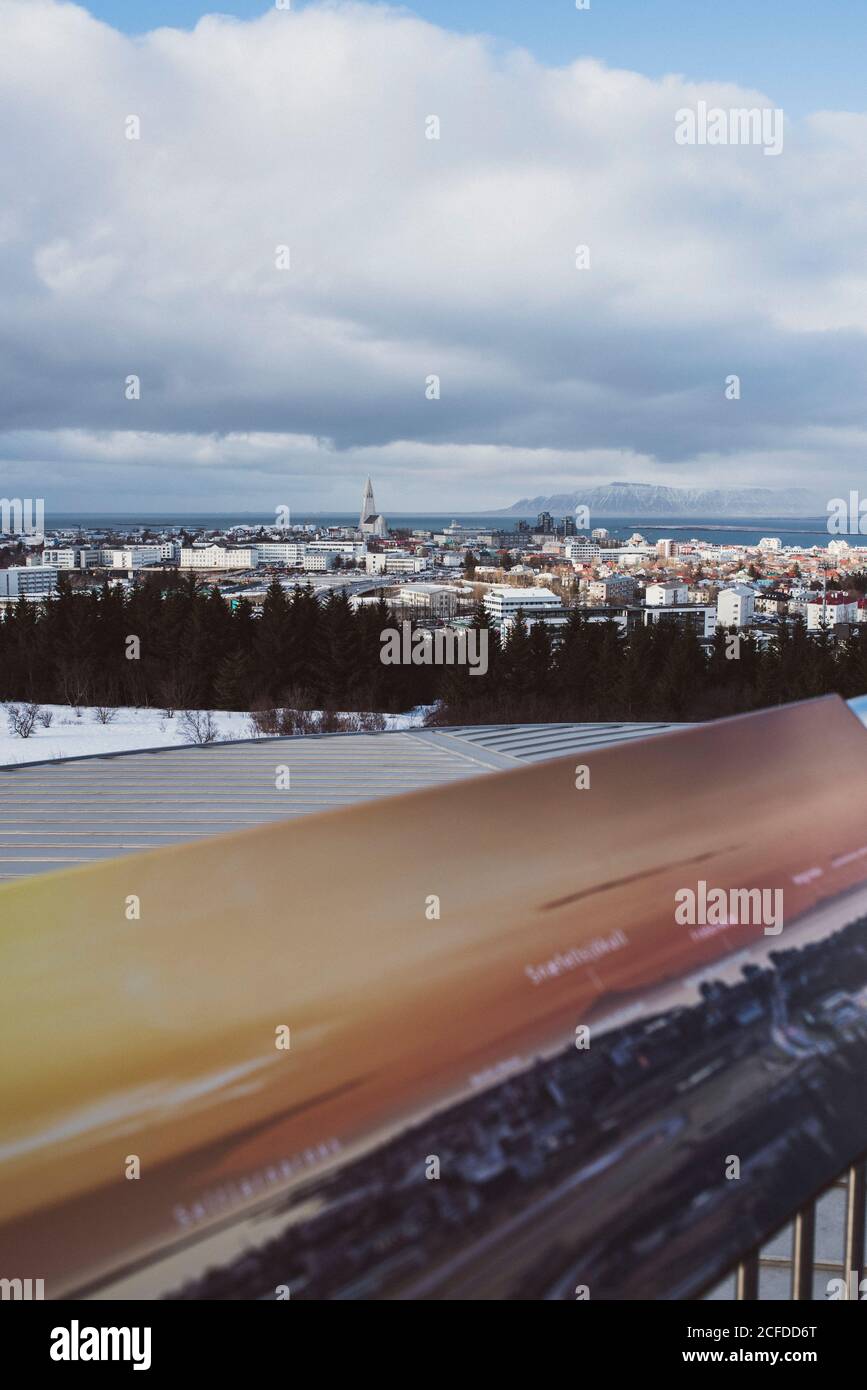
x: 802, y: 1262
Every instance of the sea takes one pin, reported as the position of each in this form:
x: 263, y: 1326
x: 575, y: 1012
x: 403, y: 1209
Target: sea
x: 795, y: 531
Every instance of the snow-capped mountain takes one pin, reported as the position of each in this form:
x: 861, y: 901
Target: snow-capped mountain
x: 649, y: 499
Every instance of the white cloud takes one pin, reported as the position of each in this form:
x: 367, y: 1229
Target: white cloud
x: 408, y: 257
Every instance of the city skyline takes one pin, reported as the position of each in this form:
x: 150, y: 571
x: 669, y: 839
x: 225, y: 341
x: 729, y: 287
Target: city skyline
x: 277, y: 281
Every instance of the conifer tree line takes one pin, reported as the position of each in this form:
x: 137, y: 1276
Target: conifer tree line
x: 195, y: 651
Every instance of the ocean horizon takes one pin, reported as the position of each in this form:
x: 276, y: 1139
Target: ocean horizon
x: 800, y: 531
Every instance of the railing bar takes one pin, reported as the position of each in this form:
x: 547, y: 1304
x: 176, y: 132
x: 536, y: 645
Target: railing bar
x: 803, y: 1254
x: 785, y: 1261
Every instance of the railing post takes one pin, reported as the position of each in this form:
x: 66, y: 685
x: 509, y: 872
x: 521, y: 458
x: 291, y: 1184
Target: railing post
x: 747, y: 1290
x: 803, y: 1253
x: 856, y: 1190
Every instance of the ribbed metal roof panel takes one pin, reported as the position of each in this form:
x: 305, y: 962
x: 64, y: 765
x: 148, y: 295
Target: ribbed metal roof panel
x: 533, y: 742
x: 59, y: 814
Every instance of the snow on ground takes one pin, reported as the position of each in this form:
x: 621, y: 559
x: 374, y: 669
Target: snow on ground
x: 69, y: 736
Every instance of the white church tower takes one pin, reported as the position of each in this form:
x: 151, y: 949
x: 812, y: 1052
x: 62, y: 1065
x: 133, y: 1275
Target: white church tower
x: 371, y: 523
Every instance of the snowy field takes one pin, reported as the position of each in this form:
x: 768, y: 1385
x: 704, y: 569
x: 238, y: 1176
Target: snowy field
x: 69, y: 736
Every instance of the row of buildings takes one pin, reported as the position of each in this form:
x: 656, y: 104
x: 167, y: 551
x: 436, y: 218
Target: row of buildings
x: 439, y: 574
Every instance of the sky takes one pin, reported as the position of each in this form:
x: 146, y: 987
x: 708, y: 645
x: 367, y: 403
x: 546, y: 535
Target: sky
x: 552, y: 292
x: 807, y: 54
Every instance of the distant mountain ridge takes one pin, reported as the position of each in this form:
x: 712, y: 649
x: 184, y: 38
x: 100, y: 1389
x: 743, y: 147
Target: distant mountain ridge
x: 651, y: 499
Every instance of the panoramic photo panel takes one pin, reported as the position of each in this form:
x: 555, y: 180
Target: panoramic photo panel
x: 449, y: 1083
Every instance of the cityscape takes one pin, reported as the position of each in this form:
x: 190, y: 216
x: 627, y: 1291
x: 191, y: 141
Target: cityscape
x: 309, y: 624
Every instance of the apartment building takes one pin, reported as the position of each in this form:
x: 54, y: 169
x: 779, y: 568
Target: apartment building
x: 280, y: 552
x: 28, y: 581
x: 217, y: 557
x: 314, y: 563
x: 133, y: 557
x: 347, y: 550
x: 580, y: 550
x: 503, y: 601
x: 668, y: 595
x: 735, y: 606
x: 387, y: 562
x: 615, y: 588
x: 832, y: 610
x: 69, y: 557
x: 430, y: 600
x: 772, y: 603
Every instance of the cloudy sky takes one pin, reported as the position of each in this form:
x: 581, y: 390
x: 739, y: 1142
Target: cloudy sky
x: 263, y: 384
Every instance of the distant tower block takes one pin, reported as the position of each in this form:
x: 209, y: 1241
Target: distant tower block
x: 371, y: 523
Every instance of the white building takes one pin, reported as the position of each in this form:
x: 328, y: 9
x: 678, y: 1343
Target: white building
x: 770, y: 543
x: 668, y: 595
x: 503, y: 601
x: 735, y: 606
x: 28, y: 581
x: 634, y: 553
x: 699, y: 616
x: 71, y: 557
x: 436, y: 600
x: 832, y: 610
x: 391, y: 562
x: 217, y: 557
x: 280, y: 552
x: 134, y: 556
x: 579, y: 550
x: 347, y: 550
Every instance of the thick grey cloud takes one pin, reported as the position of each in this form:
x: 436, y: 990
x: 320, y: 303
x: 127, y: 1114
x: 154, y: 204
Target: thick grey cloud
x: 409, y: 257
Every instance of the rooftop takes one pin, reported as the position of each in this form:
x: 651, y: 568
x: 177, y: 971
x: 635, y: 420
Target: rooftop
x: 57, y: 815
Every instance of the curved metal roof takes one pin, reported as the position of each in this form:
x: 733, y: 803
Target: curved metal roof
x: 59, y: 814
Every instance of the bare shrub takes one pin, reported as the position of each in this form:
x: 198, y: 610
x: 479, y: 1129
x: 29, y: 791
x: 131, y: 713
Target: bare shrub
x: 46, y: 718
x: 75, y: 682
x: 299, y: 721
x: 104, y: 714
x: 286, y: 721
x: 371, y: 722
x: 22, y: 719
x: 175, y: 693
x: 198, y: 726
x: 266, y: 721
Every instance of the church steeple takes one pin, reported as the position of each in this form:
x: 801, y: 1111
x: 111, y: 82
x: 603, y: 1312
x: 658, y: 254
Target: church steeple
x: 368, y: 506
